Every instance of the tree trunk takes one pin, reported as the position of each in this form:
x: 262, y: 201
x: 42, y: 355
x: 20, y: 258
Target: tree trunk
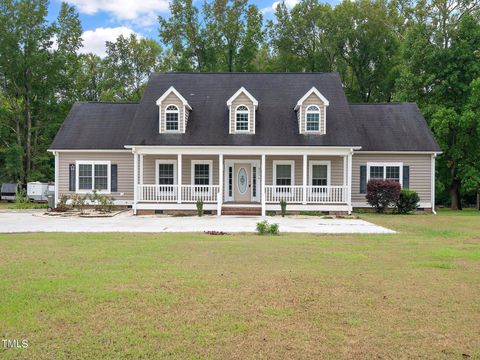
x: 455, y: 195
x: 28, y: 141
x: 478, y: 200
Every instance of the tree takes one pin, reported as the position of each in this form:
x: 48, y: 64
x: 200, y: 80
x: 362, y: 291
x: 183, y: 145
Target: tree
x: 367, y: 44
x: 128, y: 64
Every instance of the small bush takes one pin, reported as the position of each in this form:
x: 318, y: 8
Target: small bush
x: 105, y: 204
x: 382, y: 193
x: 263, y: 227
x: 407, y: 201
x: 283, y: 207
x: 77, y: 202
x: 274, y: 229
x: 200, y: 207
x: 21, y: 198
x: 62, y: 204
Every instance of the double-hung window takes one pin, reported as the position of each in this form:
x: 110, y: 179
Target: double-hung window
x: 202, y: 175
x: 93, y: 175
x: 312, y: 118
x: 242, y: 118
x: 166, y: 174
x: 172, y: 116
x: 319, y: 177
x: 385, y: 171
x: 283, y: 175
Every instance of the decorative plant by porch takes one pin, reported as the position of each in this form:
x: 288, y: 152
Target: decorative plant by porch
x: 263, y: 228
x: 382, y: 193
x: 407, y: 201
x: 283, y: 207
x: 200, y: 207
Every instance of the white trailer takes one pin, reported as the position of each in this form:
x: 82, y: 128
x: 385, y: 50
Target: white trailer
x: 37, y: 191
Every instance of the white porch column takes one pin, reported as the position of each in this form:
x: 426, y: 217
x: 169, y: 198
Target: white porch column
x: 345, y: 171
x: 264, y: 210
x: 57, y: 183
x: 305, y: 164
x: 141, y: 169
x: 179, y: 178
x: 433, y: 184
x: 135, y: 182
x: 221, y: 176
x: 349, y: 176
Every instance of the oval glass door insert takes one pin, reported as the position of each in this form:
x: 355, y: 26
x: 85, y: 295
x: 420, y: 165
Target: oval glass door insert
x: 242, y: 181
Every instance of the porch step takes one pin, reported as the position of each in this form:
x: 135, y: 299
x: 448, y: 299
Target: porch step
x: 250, y: 211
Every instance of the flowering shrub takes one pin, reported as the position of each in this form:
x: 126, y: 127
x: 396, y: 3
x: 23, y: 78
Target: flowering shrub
x: 382, y: 193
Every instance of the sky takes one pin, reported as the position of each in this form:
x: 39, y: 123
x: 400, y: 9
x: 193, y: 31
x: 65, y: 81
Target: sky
x: 105, y: 20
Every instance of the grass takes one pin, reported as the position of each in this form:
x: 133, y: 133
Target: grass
x: 21, y: 206
x: 414, y: 294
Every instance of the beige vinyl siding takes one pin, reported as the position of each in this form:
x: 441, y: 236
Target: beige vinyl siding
x: 313, y: 99
x: 242, y: 99
x: 420, y: 172
x: 172, y: 99
x: 149, y: 171
x: 124, y: 161
x: 336, y: 168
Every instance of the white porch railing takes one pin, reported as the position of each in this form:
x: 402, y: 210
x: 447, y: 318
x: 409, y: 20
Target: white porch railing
x: 192, y: 193
x: 169, y: 193
x: 315, y: 194
x: 157, y: 193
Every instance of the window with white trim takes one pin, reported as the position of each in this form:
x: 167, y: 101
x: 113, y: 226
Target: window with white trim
x: 283, y: 173
x: 202, y: 174
x: 385, y: 171
x: 93, y: 175
x: 319, y: 173
x: 166, y: 172
x: 312, y: 118
x: 172, y: 116
x: 242, y: 116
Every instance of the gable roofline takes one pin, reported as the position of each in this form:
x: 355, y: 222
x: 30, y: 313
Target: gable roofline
x: 309, y: 92
x: 239, y: 91
x: 168, y: 92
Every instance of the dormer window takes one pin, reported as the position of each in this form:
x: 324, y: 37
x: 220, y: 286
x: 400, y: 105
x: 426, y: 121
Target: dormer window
x: 312, y: 118
x: 311, y: 113
x: 173, y: 111
x: 172, y: 115
x: 242, y: 107
x: 242, y: 115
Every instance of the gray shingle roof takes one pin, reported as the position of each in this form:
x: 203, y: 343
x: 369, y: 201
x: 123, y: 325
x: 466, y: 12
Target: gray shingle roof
x: 95, y: 125
x: 382, y: 127
x: 392, y: 127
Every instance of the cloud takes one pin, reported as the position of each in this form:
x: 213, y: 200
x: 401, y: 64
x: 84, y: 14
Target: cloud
x: 289, y: 3
x: 94, y: 40
x: 140, y: 12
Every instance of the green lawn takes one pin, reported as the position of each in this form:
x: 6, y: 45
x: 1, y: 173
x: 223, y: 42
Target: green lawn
x: 415, y: 294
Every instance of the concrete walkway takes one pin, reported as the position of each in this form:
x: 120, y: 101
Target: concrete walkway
x: 11, y: 222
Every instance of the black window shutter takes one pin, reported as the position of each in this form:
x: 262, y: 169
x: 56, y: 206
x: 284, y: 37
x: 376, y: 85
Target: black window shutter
x: 406, y: 177
x: 113, y: 178
x: 363, y: 179
x: 71, y: 177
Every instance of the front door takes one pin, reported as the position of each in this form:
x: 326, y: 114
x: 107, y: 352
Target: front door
x: 242, y: 182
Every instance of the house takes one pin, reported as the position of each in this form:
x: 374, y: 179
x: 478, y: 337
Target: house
x: 243, y: 140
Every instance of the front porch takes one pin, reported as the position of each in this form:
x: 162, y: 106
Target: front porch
x: 317, y: 180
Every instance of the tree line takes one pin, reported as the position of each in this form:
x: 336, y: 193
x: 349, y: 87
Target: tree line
x: 425, y: 51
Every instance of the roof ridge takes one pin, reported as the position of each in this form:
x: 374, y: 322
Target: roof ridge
x: 384, y: 103
x: 109, y: 102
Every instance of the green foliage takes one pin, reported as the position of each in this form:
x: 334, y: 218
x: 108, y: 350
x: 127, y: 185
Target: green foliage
x: 264, y: 227
x: 283, y: 207
x: 407, y: 201
x: 105, y: 204
x: 382, y: 193
x: 199, y: 205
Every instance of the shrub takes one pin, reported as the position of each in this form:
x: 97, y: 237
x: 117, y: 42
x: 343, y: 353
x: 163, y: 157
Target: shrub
x: 283, y: 207
x: 382, y: 193
x: 200, y: 207
x: 274, y: 229
x: 105, y: 204
x: 407, y: 201
x: 21, y: 198
x: 77, y: 201
x: 263, y: 227
x: 62, y: 204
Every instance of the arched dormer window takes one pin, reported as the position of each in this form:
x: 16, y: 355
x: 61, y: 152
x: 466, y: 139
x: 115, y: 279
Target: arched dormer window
x: 312, y: 118
x: 242, y: 116
x: 172, y: 115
